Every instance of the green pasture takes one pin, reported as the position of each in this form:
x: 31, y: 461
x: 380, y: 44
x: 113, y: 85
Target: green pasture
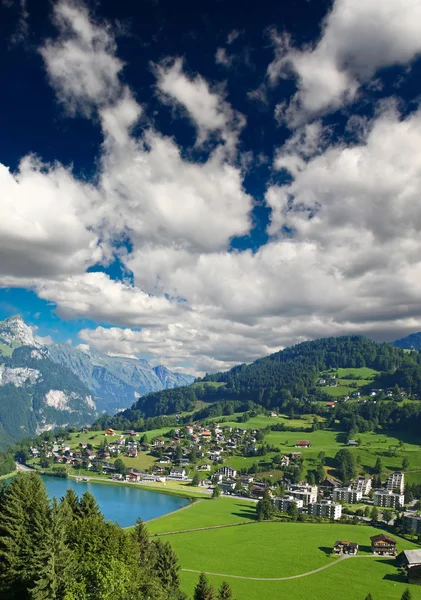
x: 353, y: 578
x: 274, y: 549
x: 206, y: 513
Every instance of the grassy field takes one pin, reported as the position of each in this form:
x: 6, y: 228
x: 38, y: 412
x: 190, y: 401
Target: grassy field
x: 206, y: 514
x: 353, y: 578
x: 287, y: 549
x: 262, y: 421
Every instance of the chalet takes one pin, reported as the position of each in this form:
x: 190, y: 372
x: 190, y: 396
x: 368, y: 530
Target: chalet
x: 132, y: 452
x: 117, y: 477
x: 83, y: 445
x: 158, y: 442
x: 205, y: 467
x: 132, y: 477
x: 330, y: 404
x: 246, y: 479
x: 206, y: 434
x: 284, y: 461
x: 165, y: 460
x: 156, y: 469
x: 273, y: 414
x: 409, y: 558
x: 383, y: 545
x: 353, y: 443
x: 302, y: 444
x: 108, y: 468
x: 178, y: 474
x: 109, y: 431
x: 131, y: 432
x: 90, y: 454
x: 343, y: 547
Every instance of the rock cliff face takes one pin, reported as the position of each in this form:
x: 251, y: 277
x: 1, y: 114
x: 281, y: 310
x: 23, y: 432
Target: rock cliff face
x: 116, y: 382
x: 36, y: 394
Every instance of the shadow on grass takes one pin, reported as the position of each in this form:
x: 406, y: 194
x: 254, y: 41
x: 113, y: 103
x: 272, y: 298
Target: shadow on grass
x: 246, y: 514
x: 327, y: 550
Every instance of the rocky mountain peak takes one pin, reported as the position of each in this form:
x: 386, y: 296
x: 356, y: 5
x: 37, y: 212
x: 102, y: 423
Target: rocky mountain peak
x: 14, y: 332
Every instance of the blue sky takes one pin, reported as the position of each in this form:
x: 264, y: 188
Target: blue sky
x: 207, y: 184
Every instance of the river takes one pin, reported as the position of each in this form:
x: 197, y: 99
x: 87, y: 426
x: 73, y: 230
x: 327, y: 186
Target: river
x: 120, y: 503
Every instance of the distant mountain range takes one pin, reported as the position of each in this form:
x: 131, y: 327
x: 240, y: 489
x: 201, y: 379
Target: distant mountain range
x: 115, y: 382
x: 43, y: 387
x: 410, y: 342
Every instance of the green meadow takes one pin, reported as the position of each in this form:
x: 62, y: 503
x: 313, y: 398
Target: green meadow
x: 278, y: 550
x: 206, y: 513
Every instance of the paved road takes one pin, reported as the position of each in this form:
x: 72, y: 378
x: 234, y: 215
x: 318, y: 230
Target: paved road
x: 282, y: 578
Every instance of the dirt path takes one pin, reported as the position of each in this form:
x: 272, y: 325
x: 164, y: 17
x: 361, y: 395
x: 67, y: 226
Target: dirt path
x: 201, y: 528
x: 282, y: 578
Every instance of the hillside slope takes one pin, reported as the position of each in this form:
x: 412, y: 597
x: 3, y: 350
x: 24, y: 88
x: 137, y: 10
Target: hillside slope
x: 115, y: 381
x: 410, y: 342
x: 276, y: 380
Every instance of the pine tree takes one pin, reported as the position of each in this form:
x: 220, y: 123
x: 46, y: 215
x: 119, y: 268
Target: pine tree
x: 225, y: 592
x: 24, y: 519
x: 57, y: 569
x: 203, y: 589
x: 89, y: 506
x: 141, y: 536
x: 369, y: 597
x: 71, y: 499
x: 407, y: 595
x: 166, y: 565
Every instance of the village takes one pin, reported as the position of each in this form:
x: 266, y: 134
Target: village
x: 197, y: 455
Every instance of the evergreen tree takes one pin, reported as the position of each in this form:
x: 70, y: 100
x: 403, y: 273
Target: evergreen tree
x: 72, y: 501
x: 196, y: 479
x: 166, y: 565
x: 369, y: 597
x: 57, y: 569
x: 216, y: 492
x: 89, y: 506
x: 225, y: 592
x: 292, y: 510
x: 141, y: 536
x: 265, y: 508
x: 406, y: 595
x: 203, y: 589
x: 374, y: 515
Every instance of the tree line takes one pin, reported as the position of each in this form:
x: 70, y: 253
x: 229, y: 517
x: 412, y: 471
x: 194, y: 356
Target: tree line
x: 66, y: 550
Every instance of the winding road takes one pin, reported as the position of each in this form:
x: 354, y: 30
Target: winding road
x: 283, y: 578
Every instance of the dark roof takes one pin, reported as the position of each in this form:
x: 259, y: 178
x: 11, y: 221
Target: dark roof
x: 410, y: 557
x: 381, y: 537
x: 343, y: 543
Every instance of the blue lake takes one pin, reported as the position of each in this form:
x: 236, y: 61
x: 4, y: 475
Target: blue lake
x: 120, y: 503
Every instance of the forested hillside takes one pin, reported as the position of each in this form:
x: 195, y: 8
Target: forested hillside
x: 277, y: 380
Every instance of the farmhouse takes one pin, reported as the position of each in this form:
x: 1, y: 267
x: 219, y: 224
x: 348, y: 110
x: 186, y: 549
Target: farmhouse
x: 302, y: 444
x: 383, y: 544
x: 409, y: 558
x: 109, y: 431
x: 343, y: 547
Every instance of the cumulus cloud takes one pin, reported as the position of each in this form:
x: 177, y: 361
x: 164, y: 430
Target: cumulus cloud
x: 208, y: 109
x: 82, y: 62
x: 46, y: 222
x: 358, y: 38
x: 344, y: 247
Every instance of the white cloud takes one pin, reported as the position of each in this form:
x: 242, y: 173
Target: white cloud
x: 46, y: 219
x: 344, y: 251
x: 222, y: 58
x: 359, y: 37
x: 81, y: 63
x: 208, y: 109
